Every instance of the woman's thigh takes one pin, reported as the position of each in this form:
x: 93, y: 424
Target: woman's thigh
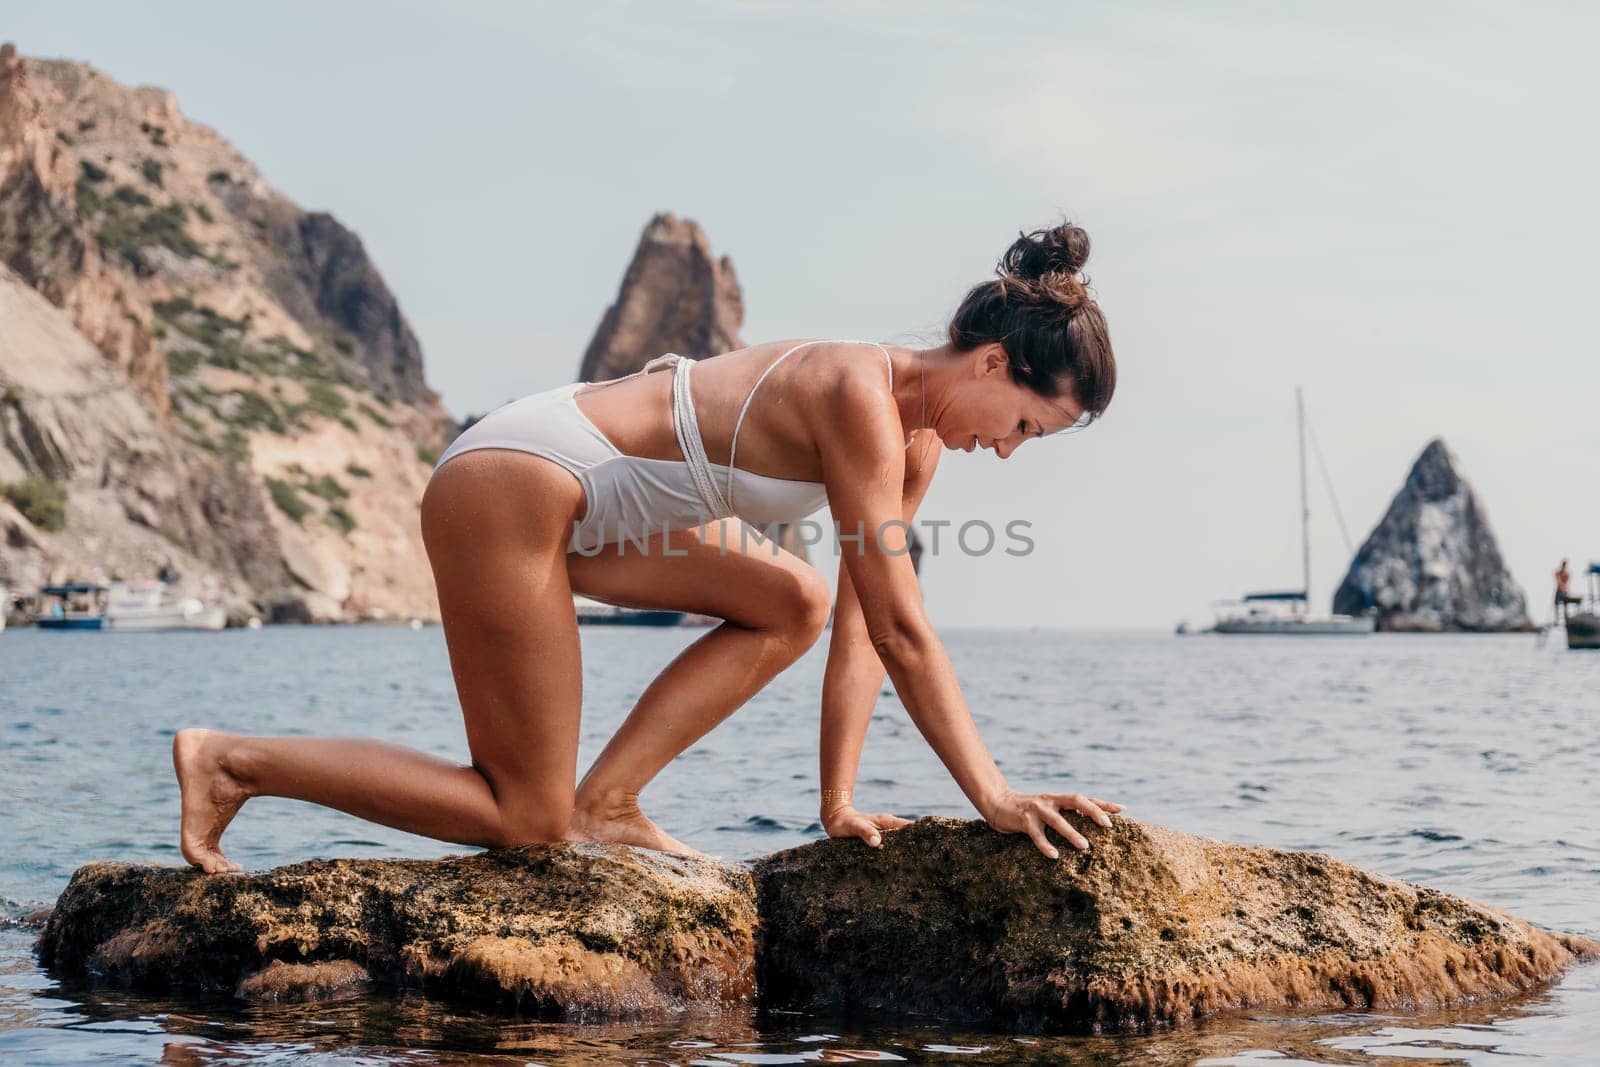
x: 724, y: 569
x: 496, y: 525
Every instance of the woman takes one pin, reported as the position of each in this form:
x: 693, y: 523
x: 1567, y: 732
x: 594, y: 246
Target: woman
x: 638, y: 492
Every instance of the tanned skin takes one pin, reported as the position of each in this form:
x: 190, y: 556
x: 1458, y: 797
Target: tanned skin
x: 496, y: 524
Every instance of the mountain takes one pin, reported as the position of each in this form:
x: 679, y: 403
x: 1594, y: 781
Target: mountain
x: 1432, y: 564
x: 258, y: 418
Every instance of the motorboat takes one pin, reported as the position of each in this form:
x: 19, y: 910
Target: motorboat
x: 593, y: 612
x: 1583, y: 627
x: 124, y: 606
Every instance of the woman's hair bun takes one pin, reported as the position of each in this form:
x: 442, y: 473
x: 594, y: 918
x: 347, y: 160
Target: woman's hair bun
x: 1042, y: 267
x: 1039, y: 309
x: 1063, y: 249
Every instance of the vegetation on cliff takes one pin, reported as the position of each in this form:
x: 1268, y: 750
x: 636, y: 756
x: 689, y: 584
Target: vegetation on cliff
x: 262, y: 341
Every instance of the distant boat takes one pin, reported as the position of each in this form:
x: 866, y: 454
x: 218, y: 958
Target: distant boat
x: 123, y: 606
x: 595, y: 613
x: 1583, y: 628
x: 1289, y: 612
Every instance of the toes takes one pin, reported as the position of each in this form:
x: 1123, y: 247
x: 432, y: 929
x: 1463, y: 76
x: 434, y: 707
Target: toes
x: 216, y: 863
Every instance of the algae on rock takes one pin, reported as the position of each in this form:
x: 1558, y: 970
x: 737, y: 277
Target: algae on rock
x: 1150, y: 928
x: 949, y: 920
x: 567, y: 930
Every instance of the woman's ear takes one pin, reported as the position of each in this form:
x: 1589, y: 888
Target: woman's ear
x: 991, y: 359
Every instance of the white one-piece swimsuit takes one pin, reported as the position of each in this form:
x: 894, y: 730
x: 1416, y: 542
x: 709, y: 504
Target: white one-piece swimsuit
x: 633, y: 497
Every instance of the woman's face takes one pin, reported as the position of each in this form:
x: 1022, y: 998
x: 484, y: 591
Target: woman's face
x: 986, y: 409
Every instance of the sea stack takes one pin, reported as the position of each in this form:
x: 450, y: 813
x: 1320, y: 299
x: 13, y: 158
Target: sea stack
x: 675, y: 297
x: 1432, y: 564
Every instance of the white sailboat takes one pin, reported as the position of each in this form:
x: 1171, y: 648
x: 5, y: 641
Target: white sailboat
x: 1289, y: 611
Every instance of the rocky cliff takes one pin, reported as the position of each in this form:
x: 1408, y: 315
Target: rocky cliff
x: 272, y: 429
x: 675, y: 297
x: 948, y: 919
x: 1432, y: 564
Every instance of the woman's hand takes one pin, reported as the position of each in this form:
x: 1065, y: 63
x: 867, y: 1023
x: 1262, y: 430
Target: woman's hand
x: 845, y: 821
x: 1031, y: 813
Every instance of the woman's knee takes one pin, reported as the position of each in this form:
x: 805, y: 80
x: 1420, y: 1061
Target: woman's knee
x: 540, y: 822
x: 801, y: 606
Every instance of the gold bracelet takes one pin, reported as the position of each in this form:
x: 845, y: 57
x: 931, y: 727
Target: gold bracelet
x: 835, y: 798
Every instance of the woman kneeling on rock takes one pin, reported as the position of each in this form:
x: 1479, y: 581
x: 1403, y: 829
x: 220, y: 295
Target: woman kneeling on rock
x: 629, y: 492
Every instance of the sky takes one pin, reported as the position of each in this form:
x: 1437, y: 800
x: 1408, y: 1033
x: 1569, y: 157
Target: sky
x: 1392, y: 206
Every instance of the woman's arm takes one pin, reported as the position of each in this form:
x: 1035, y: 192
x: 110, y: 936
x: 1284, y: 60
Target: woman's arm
x: 863, y: 460
x: 853, y: 678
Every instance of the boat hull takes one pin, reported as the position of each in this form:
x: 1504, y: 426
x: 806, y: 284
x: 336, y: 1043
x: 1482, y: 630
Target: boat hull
x: 632, y: 617
x: 1337, y: 625
x: 1583, y: 631
x: 207, y: 619
x: 47, y: 623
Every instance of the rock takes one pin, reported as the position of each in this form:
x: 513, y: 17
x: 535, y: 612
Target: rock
x: 949, y: 919
x: 276, y: 385
x: 560, y: 930
x: 1151, y: 928
x: 280, y: 981
x: 43, y: 240
x: 675, y: 297
x: 327, y: 275
x: 1432, y: 564
x: 135, y: 495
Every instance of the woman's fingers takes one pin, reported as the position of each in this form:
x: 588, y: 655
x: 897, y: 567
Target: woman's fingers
x: 862, y: 826
x: 1080, y: 803
x: 1107, y: 805
x: 886, y: 821
x: 1035, y: 830
x: 1064, y: 828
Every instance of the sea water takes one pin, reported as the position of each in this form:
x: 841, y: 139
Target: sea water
x: 1468, y: 763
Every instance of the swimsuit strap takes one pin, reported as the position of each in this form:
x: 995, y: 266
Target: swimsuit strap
x: 687, y: 427
x: 733, y: 444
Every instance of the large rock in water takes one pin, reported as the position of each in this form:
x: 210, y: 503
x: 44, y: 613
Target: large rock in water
x: 675, y: 297
x: 949, y: 918
x: 569, y: 930
x: 1432, y: 564
x: 1151, y: 928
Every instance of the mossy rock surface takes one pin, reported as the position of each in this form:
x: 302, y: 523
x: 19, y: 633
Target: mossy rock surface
x: 949, y: 920
x: 561, y: 930
x: 1150, y: 928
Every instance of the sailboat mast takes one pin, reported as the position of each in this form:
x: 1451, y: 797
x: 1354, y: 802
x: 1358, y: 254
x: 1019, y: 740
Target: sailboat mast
x: 1305, y: 507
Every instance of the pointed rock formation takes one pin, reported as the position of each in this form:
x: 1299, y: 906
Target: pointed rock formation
x: 1432, y: 564
x: 675, y: 297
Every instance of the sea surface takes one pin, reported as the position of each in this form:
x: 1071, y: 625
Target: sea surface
x: 1468, y: 763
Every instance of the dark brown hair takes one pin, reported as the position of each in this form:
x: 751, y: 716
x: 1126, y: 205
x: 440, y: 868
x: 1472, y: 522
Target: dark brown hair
x: 1038, y: 308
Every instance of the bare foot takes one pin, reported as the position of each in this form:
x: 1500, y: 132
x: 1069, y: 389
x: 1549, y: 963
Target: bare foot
x: 211, y: 798
x: 619, y: 821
